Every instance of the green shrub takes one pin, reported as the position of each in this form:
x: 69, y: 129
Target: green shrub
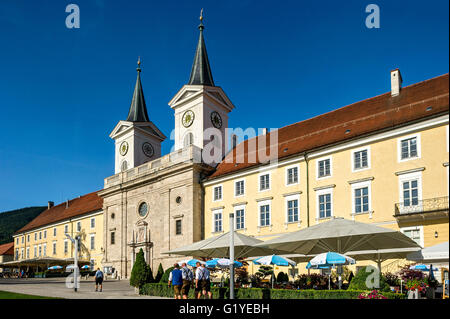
x: 359, y: 281
x: 165, y: 276
x: 160, y: 273
x: 141, y: 272
x: 282, y: 277
x: 162, y: 290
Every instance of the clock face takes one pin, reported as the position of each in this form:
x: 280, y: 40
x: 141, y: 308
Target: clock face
x: 123, y: 148
x: 188, y: 118
x: 148, y: 150
x: 216, y: 120
x: 143, y: 209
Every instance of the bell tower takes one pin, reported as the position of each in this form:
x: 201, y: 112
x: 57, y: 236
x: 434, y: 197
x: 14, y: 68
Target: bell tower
x: 137, y: 139
x: 200, y: 106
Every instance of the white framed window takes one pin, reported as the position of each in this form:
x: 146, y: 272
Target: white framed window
x: 35, y: 237
x: 217, y: 193
x: 217, y: 221
x: 93, y: 222
x: 66, y: 246
x: 264, y: 182
x: 45, y: 234
x: 40, y: 250
x: 66, y: 229
x: 264, y: 212
x: 35, y: 251
x: 324, y: 203
x: 45, y: 249
x: 408, y: 147
x: 22, y: 254
x: 40, y: 235
x: 360, y: 159
x: 28, y: 252
x: 54, y: 248
x: 292, y: 209
x: 54, y: 232
x: 361, y: 197
x: 415, y: 233
x: 410, y: 191
x: 23, y: 239
x: 239, y: 214
x: 292, y: 175
x: 92, y: 242
x: 324, y: 167
x: 78, y: 226
x: 239, y: 188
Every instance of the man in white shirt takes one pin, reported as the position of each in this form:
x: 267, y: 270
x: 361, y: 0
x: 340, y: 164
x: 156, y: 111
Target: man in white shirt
x: 202, y: 282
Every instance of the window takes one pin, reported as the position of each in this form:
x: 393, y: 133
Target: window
x: 240, y: 218
x: 113, y: 238
x: 35, y: 251
x: 40, y: 250
x: 22, y: 254
x: 188, y: 139
x: 23, y: 239
x: 217, y: 221
x: 415, y: 233
x: 178, y: 227
x: 66, y: 229
x: 40, y: 235
x: 292, y: 210
x: 78, y: 226
x: 239, y: 189
x: 410, y: 193
x: 35, y: 237
x: 45, y: 234
x: 66, y: 246
x: 217, y: 193
x: 124, y: 166
x: 360, y: 159
x: 17, y: 241
x: 92, y: 242
x: 45, y: 250
x: 292, y: 175
x: 264, y: 215
x: 409, y: 147
x: 361, y: 200
x: 17, y: 252
x: 325, y: 205
x: 28, y: 252
x: 54, y: 232
x: 28, y: 238
x: 324, y: 167
x: 54, y: 248
x: 92, y: 264
x: 264, y: 182
x: 92, y: 222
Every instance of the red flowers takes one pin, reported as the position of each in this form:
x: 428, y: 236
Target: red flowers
x: 374, y: 294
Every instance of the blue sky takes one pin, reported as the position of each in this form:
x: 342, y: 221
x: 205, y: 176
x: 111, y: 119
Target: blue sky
x: 62, y: 90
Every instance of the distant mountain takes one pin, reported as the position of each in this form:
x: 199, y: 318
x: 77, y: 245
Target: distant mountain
x: 12, y: 221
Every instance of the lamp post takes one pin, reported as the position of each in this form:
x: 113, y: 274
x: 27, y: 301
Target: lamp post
x: 75, y: 241
x: 231, y: 255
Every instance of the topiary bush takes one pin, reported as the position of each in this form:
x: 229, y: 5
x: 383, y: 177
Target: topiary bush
x: 160, y: 273
x: 141, y: 272
x: 359, y: 281
x: 165, y: 276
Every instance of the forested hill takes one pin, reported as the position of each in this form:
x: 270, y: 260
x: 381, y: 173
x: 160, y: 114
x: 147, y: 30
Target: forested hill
x: 13, y: 220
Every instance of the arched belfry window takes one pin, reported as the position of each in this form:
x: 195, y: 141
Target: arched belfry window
x: 124, y: 166
x: 188, y: 139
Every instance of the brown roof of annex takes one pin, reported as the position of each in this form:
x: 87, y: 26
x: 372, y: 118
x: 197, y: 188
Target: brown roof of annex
x: 415, y: 102
x: 75, y: 207
x: 7, y: 249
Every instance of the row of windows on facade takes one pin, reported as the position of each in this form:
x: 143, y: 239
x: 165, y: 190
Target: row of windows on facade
x: 41, y: 250
x: 43, y: 234
x: 361, y: 205
x: 360, y: 161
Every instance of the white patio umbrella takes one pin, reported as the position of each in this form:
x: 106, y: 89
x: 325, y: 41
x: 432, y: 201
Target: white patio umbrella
x: 219, y: 246
x: 274, y: 260
x: 339, y: 235
x: 434, y: 253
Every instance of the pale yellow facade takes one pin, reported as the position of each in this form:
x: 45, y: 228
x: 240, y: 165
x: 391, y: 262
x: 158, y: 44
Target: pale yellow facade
x: 383, y: 177
x: 50, y: 241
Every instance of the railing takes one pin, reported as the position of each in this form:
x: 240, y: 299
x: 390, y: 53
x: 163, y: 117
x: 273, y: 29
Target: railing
x: 423, y: 206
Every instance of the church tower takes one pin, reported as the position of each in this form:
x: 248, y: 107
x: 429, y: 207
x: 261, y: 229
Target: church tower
x: 200, y: 104
x: 137, y: 140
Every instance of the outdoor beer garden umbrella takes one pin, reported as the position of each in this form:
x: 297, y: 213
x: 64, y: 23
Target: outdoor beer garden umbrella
x: 329, y: 260
x: 274, y: 260
x: 191, y: 262
x: 434, y: 253
x: 86, y: 267
x: 423, y: 267
x: 339, y: 235
x: 54, y: 267
x: 219, y: 246
x: 222, y: 262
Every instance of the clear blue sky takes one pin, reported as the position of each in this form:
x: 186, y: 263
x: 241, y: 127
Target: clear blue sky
x: 62, y: 90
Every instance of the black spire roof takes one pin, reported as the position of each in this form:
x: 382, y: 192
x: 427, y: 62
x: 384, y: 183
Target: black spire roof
x: 138, y: 109
x: 201, y: 71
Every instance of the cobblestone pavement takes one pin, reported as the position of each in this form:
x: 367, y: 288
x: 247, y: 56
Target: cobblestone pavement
x: 56, y: 287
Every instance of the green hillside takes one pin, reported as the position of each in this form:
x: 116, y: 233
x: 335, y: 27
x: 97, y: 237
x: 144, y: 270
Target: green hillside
x: 13, y: 220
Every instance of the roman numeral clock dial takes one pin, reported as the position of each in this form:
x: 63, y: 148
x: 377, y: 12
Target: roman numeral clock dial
x: 188, y: 118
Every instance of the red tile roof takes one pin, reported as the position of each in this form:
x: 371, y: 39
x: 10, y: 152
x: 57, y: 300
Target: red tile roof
x: 7, y: 249
x: 376, y: 114
x: 79, y: 206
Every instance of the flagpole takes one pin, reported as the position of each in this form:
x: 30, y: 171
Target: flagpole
x: 231, y: 255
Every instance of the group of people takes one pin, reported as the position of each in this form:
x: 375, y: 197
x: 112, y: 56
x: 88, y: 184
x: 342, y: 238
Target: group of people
x: 183, y: 278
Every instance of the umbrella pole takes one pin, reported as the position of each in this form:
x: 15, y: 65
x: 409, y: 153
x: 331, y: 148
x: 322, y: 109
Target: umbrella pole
x: 231, y: 255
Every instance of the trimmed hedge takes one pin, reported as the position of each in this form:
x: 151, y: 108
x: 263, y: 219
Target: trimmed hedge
x: 162, y: 290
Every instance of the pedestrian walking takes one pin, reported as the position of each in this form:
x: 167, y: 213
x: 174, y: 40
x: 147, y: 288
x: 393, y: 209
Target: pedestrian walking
x: 99, y: 279
x: 187, y: 277
x: 176, y: 280
x: 201, y: 280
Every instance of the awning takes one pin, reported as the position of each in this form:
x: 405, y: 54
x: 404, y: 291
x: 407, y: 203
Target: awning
x: 434, y: 253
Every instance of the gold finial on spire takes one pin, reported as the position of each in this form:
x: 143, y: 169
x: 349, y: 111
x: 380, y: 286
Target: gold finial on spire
x: 139, y: 64
x: 201, y: 15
